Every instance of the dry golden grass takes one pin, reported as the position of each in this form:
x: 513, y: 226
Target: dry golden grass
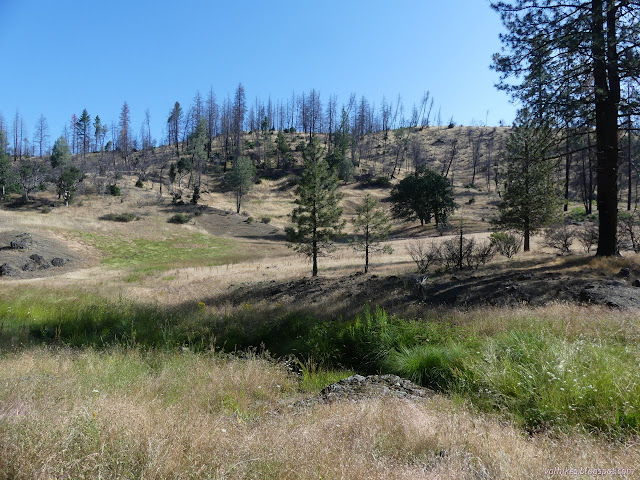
x: 127, y: 414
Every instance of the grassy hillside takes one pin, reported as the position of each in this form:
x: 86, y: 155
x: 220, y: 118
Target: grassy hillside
x: 197, y: 349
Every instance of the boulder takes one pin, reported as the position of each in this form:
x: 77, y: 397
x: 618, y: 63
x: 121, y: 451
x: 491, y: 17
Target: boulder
x: 624, y: 272
x: 37, y: 259
x: 7, y: 270
x: 59, y: 262
x: 24, y: 241
x: 29, y: 267
x: 357, y: 387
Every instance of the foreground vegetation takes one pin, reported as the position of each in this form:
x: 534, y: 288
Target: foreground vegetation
x: 546, y: 369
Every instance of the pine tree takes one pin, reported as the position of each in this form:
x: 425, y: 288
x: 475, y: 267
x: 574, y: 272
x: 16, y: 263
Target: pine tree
x: 372, y: 226
x: 316, y: 219
x: 82, y: 132
x: 531, y: 199
x: 7, y: 180
x: 61, y: 154
x: 240, y: 178
x: 584, y: 48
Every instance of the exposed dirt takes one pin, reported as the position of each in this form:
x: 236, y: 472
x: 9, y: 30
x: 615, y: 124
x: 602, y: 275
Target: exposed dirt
x: 572, y: 281
x: 33, y: 255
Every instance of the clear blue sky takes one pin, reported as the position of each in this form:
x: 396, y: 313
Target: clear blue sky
x: 62, y: 56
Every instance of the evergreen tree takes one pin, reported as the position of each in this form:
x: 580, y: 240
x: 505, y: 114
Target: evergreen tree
x: 173, y: 125
x: 240, y: 178
x: 316, y: 219
x: 67, y: 183
x: 584, y: 48
x: 61, y: 154
x: 284, y: 151
x: 531, y: 199
x: 82, y: 132
x: 423, y: 196
x: 7, y: 178
x: 372, y: 226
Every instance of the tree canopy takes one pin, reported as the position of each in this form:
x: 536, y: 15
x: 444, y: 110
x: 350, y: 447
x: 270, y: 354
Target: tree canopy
x: 530, y: 199
x: 423, y: 196
x: 567, y: 59
x: 317, y: 218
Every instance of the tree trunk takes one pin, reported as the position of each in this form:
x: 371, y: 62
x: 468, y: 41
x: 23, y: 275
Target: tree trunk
x: 366, y: 250
x: 607, y: 94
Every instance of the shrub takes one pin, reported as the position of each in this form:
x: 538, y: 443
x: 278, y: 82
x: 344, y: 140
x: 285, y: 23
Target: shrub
x: 507, y: 244
x: 424, y: 256
x: 447, y: 255
x: 588, y: 236
x: 249, y: 219
x: 265, y: 220
x: 45, y: 210
x: 180, y: 218
x: 139, y: 184
x: 113, y: 190
x: 472, y: 200
x: 559, y: 237
x: 628, y: 232
x: 120, y: 217
x: 377, y: 182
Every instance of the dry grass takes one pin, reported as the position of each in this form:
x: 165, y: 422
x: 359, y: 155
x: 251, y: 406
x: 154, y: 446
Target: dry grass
x: 127, y: 414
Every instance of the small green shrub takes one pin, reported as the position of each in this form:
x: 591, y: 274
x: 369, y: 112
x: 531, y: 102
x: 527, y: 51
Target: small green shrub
x: 139, y: 184
x: 249, y: 219
x: 120, y: 217
x: 265, y: 220
x: 45, y: 210
x: 113, y: 190
x: 180, y: 218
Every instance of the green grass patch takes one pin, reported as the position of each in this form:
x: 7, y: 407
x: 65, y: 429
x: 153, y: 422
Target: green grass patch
x: 535, y: 373
x: 149, y: 256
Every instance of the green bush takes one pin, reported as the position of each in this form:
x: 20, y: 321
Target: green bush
x: 180, y: 218
x: 139, y: 184
x: 113, y: 190
x: 120, y: 217
x: 265, y: 220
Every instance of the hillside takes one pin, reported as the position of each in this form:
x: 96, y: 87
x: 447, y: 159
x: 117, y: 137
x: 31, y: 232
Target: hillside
x: 177, y: 339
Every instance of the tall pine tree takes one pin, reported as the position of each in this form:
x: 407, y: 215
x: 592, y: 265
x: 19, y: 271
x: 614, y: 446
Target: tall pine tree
x: 317, y: 218
x: 531, y: 199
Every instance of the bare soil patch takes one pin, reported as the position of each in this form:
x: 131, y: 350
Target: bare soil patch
x: 33, y: 255
x: 538, y: 282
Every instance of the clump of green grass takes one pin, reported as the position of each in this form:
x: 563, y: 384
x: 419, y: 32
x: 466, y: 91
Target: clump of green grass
x: 120, y: 217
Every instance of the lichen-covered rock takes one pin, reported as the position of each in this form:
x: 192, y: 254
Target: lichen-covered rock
x: 59, y: 262
x: 29, y: 267
x: 358, y: 387
x: 23, y: 241
x: 37, y: 259
x: 7, y: 270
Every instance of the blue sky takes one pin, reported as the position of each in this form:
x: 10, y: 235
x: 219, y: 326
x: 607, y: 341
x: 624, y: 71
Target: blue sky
x: 62, y: 56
